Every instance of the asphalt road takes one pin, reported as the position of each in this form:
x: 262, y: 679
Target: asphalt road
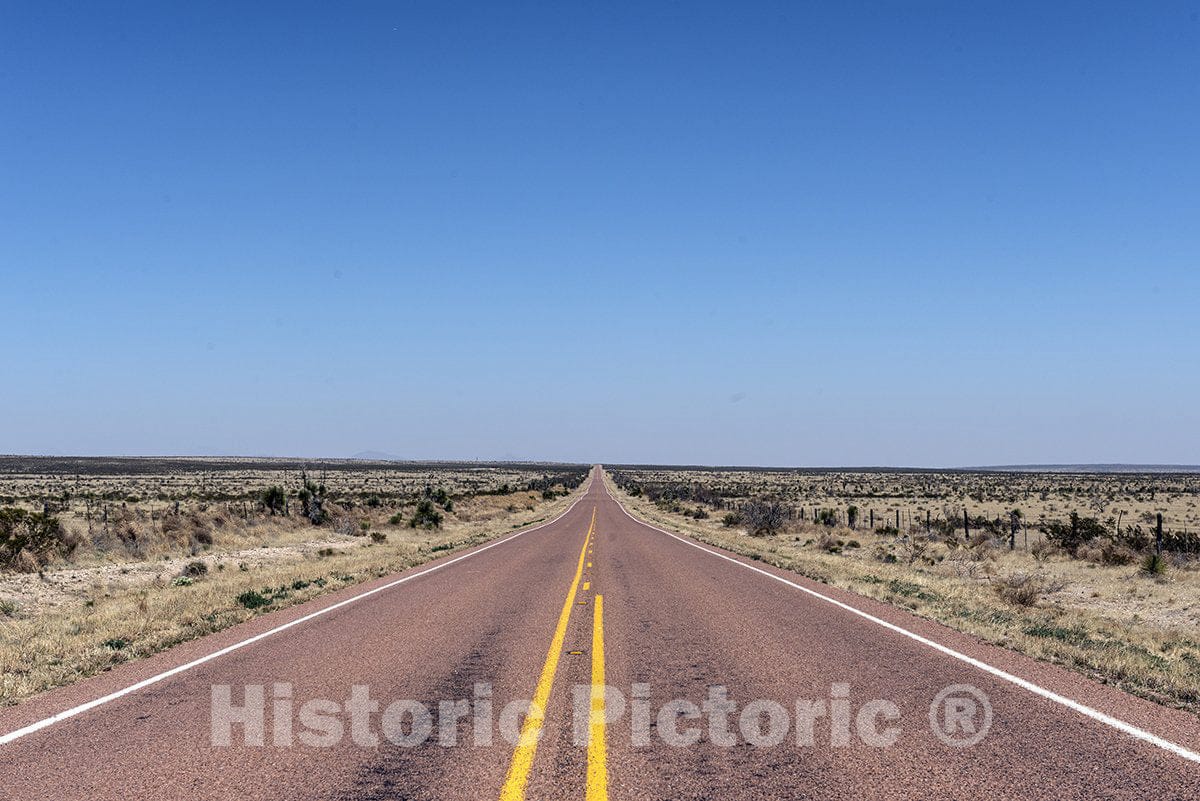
x: 551, y: 614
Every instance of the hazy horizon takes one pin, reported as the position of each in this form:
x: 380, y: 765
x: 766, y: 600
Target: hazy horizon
x: 379, y: 456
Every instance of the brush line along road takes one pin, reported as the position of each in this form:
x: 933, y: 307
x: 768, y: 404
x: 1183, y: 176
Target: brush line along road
x: 555, y: 613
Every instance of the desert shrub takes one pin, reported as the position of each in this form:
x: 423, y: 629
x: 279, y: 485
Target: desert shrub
x: 981, y: 547
x: 1025, y: 589
x: 731, y: 519
x: 378, y: 536
x: 252, y: 599
x: 274, y: 499
x: 764, y: 516
x: 426, y: 516
x: 398, y: 518
x: 30, y: 539
x: 1075, y: 532
x: 913, y: 548
x: 346, y: 526
x: 1042, y: 550
x: 440, y: 496
x: 827, y: 517
x: 200, y: 534
x: 312, y: 500
x: 964, y: 566
x: 194, y: 570
x: 1135, y: 538
x: 829, y: 543
x: 700, y: 514
x: 1105, y: 552
x: 852, y: 516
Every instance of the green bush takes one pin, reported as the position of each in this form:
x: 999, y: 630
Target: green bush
x: 252, y: 599
x: 1078, y: 530
x: 827, y: 517
x: 426, y: 516
x: 274, y: 499
x: 312, y: 499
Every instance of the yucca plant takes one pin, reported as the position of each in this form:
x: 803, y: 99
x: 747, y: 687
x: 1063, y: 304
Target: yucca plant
x: 1154, y: 565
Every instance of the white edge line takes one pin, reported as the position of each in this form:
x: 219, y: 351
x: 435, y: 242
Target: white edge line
x: 78, y: 710
x: 1050, y: 695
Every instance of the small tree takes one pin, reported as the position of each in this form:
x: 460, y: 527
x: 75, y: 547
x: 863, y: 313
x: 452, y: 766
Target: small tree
x: 274, y: 499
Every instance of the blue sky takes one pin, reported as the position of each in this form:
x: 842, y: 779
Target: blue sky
x: 797, y: 234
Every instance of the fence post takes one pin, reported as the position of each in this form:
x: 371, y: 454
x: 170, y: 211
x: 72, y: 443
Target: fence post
x: 966, y: 525
x: 897, y: 520
x: 1012, y: 537
x: 1158, y: 535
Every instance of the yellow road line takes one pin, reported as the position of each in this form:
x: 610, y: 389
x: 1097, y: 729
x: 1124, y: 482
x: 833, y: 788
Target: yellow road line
x: 597, y: 768
x: 587, y: 585
x: 531, y: 728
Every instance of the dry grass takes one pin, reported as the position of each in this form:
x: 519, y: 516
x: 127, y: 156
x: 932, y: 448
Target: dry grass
x: 1115, y: 623
x: 76, y: 620
x: 1133, y: 499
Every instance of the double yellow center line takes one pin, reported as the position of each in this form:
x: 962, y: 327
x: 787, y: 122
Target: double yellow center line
x: 531, y: 729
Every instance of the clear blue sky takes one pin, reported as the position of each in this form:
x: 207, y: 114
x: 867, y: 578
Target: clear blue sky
x: 902, y: 233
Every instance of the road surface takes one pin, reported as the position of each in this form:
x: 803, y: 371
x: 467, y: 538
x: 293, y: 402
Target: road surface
x: 554, y: 613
